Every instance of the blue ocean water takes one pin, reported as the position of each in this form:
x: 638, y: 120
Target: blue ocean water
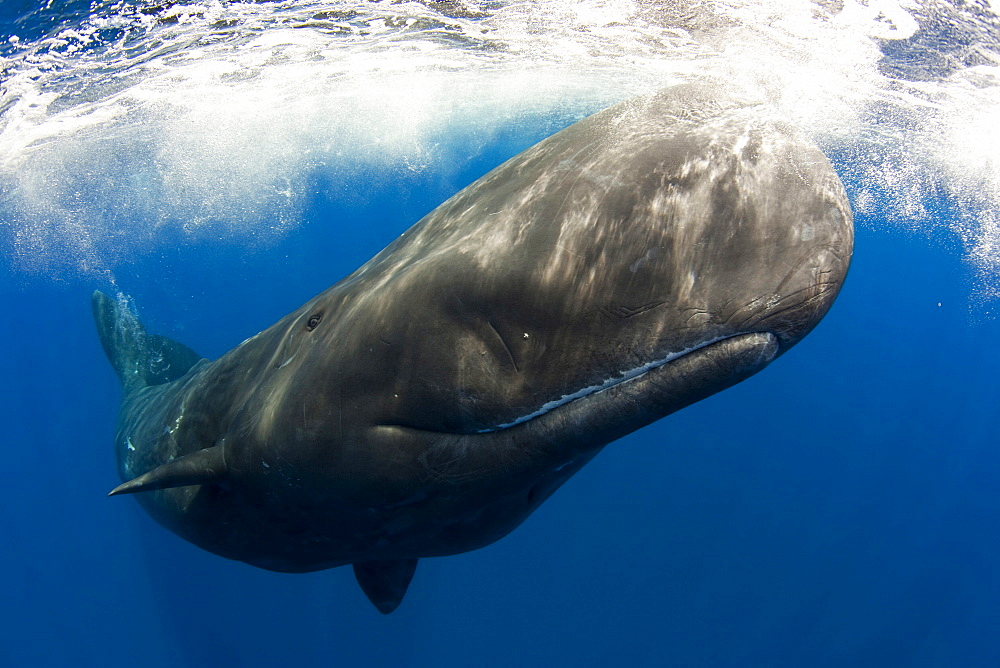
x: 840, y: 508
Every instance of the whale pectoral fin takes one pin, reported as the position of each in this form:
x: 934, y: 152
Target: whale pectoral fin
x: 198, y: 468
x: 385, y: 582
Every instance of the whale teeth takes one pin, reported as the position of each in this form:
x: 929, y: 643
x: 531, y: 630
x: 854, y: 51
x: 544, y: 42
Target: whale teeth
x: 198, y: 468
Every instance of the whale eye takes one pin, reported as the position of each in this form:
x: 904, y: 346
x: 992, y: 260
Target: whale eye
x: 314, y: 320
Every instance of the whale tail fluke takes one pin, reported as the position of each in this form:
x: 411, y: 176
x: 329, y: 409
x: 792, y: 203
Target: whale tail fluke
x: 139, y: 359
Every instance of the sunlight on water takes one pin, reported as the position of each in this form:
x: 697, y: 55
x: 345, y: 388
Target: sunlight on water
x: 149, y: 122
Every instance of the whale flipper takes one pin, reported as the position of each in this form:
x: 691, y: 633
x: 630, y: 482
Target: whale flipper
x: 198, y: 468
x: 385, y: 582
x: 139, y: 359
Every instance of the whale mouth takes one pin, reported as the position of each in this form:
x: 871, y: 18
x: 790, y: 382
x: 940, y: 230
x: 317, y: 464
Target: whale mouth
x: 765, y: 340
x: 562, y: 434
x: 638, y: 396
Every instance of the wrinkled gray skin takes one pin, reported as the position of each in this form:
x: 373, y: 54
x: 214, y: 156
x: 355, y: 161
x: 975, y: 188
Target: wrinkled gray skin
x: 628, y: 266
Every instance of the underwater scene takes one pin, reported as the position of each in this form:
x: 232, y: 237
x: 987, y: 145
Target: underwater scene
x: 213, y: 167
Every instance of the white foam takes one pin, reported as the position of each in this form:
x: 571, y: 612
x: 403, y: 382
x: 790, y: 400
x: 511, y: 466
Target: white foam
x: 207, y: 119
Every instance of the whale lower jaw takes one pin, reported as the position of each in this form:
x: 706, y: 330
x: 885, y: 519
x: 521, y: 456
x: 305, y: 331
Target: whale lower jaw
x: 623, y: 377
x: 637, y: 397
x: 697, y: 372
